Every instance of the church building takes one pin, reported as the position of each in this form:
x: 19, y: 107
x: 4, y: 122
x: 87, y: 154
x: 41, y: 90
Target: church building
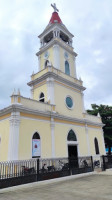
x: 53, y: 122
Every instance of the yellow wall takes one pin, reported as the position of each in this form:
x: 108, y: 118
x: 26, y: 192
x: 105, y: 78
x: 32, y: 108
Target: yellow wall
x: 62, y: 62
x: 4, y: 134
x: 29, y: 126
x: 50, y: 58
x: 61, y: 133
x: 60, y: 95
x: 98, y: 134
x: 38, y: 90
x: 27, y: 129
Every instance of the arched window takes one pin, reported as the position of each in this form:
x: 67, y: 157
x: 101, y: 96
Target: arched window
x: 46, y: 63
x: 71, y: 136
x: 42, y: 97
x: 36, y: 145
x: 36, y: 136
x: 96, y: 146
x: 67, y: 68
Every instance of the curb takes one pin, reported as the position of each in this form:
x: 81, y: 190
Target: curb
x: 42, y: 183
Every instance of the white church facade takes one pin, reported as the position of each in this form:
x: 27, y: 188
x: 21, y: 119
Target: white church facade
x: 53, y: 122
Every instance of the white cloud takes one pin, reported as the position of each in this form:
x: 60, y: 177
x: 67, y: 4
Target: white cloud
x: 90, y: 21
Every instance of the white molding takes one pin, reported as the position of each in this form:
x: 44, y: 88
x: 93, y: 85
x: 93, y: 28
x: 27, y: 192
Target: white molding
x: 4, y: 119
x: 56, y: 54
x: 83, y: 107
x: 75, y: 73
x: 64, y: 80
x: 103, y: 143
x: 53, y: 27
x: 14, y: 136
x: 87, y: 140
x: 50, y: 90
x: 69, y: 88
x: 61, y: 43
x: 35, y: 119
x: 32, y: 92
x: 53, y: 137
x: 39, y: 63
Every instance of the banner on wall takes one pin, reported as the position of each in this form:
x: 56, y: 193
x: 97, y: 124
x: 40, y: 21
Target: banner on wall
x: 35, y: 147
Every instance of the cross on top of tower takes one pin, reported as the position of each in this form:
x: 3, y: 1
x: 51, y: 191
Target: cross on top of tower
x: 54, y: 6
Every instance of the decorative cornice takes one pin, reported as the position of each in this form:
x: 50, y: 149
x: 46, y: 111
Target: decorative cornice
x: 20, y: 108
x: 52, y: 27
x: 59, y: 42
x: 56, y: 77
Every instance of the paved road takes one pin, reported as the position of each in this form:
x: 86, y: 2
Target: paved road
x: 95, y: 187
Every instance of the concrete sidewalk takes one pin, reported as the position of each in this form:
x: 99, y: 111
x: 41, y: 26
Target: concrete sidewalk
x: 46, y: 182
x: 107, y: 172
x: 96, y: 186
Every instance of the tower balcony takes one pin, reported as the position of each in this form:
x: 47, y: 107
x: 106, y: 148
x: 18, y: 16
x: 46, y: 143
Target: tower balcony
x: 51, y: 71
x: 53, y: 41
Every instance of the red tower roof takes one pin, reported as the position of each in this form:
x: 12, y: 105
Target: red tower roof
x: 55, y: 18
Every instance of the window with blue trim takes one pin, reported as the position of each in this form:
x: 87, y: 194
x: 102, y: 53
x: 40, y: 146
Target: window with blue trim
x: 69, y: 102
x: 67, y: 68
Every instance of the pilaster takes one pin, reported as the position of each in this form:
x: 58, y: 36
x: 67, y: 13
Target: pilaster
x: 87, y: 139
x: 14, y: 136
x: 74, y: 60
x: 103, y: 143
x: 32, y: 92
x: 52, y: 137
x: 39, y: 63
x: 56, y: 54
x: 50, y: 90
x: 83, y: 107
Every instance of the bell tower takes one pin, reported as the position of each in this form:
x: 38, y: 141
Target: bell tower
x: 56, y: 46
x: 56, y: 82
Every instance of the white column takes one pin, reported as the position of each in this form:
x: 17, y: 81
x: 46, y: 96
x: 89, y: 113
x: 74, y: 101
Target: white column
x: 32, y: 92
x: 52, y: 137
x: 38, y: 63
x: 87, y: 139
x: 50, y: 90
x: 14, y: 136
x: 103, y: 143
x: 83, y: 107
x: 56, y: 54
x: 78, y: 150
x: 74, y: 60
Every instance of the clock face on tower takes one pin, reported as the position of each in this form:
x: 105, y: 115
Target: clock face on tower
x: 46, y: 54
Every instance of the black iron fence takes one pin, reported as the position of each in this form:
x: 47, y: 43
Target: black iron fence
x: 107, y: 162
x: 27, y: 171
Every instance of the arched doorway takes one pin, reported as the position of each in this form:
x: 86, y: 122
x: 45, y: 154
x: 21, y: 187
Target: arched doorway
x: 72, y: 144
x: 36, y: 145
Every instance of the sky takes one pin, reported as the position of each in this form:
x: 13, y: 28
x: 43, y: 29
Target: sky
x: 90, y: 21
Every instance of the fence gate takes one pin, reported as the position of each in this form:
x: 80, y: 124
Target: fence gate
x: 107, y: 161
x: 81, y: 165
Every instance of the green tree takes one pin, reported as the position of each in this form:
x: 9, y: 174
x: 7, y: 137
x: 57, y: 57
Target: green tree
x: 105, y: 112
